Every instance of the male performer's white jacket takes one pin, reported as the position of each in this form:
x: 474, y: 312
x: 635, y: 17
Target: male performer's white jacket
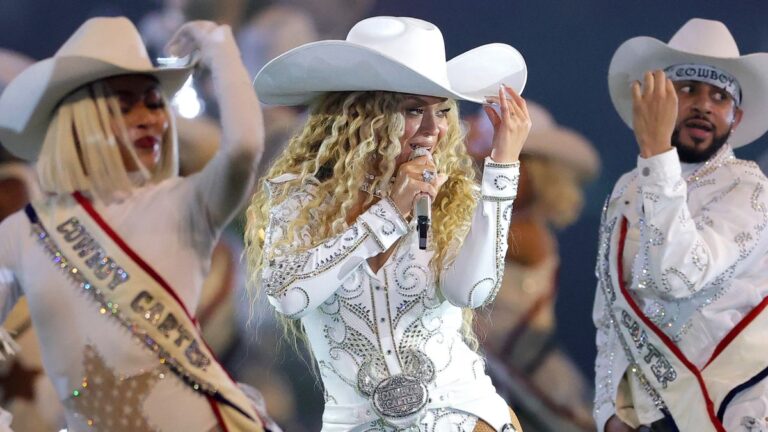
x: 696, y: 261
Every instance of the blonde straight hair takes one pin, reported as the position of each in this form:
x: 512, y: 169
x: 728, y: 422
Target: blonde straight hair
x: 81, y: 151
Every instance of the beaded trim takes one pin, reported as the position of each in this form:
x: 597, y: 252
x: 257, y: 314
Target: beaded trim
x: 489, y: 164
x: 281, y: 288
x: 373, y: 235
x: 499, y: 258
x: 397, y: 211
x: 113, y: 309
x: 498, y: 199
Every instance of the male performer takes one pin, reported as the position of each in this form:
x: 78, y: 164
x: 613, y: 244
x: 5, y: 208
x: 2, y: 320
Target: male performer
x: 682, y: 259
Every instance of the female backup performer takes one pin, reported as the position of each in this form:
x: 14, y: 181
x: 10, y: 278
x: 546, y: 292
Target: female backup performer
x: 384, y: 316
x: 112, y: 260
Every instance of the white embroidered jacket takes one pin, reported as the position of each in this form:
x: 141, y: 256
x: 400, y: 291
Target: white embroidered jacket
x: 695, y: 260
x: 364, y: 326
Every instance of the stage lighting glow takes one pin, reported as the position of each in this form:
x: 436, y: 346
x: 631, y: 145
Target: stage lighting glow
x: 186, y: 102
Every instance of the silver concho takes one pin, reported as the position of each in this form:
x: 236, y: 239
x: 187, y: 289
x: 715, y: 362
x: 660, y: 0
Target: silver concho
x: 417, y: 364
x: 400, y: 400
x: 370, y: 374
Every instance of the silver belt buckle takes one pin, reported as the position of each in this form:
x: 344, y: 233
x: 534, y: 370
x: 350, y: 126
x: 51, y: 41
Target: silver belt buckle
x: 400, y: 400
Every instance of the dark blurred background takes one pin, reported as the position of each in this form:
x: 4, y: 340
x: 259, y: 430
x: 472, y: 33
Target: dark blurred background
x: 567, y: 46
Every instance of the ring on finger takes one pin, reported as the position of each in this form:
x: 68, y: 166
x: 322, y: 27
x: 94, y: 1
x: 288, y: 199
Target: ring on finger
x: 428, y: 176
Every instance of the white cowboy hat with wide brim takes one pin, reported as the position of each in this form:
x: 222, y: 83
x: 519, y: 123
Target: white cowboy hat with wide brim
x: 699, y: 41
x: 397, y: 54
x: 100, y: 48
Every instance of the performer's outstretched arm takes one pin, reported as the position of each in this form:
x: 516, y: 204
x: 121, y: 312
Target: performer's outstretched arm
x: 299, y: 279
x: 224, y: 184
x: 474, y: 278
x: 680, y: 253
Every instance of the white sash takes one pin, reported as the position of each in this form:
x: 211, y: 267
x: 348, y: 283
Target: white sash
x: 695, y: 397
x: 131, y: 292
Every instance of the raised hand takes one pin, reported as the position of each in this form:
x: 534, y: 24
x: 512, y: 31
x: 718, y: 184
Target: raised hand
x: 205, y: 37
x: 510, y: 125
x: 654, y: 108
x: 228, y: 178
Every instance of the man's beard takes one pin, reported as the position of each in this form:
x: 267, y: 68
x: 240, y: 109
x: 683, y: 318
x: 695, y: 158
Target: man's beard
x: 692, y: 154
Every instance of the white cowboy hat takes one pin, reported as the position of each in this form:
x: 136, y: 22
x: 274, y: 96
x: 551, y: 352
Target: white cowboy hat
x: 100, y: 48
x: 699, y: 41
x: 398, y: 54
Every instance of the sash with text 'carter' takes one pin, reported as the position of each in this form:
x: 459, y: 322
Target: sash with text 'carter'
x: 130, y: 291
x: 697, y: 398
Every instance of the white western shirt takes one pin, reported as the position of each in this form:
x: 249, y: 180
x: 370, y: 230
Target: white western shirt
x: 354, y: 317
x: 695, y: 260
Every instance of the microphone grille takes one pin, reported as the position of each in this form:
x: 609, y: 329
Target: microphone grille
x: 419, y: 152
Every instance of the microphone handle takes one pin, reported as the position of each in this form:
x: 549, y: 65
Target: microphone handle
x: 422, y: 207
x: 423, y: 212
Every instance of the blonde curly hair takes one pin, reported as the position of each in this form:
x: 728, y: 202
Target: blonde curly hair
x: 348, y: 136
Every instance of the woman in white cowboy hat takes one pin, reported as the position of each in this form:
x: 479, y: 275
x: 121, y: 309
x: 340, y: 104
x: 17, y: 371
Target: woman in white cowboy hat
x: 113, y: 257
x: 517, y: 333
x: 682, y: 286
x: 387, y: 313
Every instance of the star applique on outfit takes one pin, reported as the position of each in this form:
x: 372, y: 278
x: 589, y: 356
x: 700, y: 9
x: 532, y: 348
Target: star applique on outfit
x: 108, y: 401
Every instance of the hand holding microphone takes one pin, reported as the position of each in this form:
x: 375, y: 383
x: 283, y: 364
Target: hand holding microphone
x: 416, y: 186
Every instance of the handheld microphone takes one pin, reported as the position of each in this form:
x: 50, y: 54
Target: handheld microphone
x: 422, y: 206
